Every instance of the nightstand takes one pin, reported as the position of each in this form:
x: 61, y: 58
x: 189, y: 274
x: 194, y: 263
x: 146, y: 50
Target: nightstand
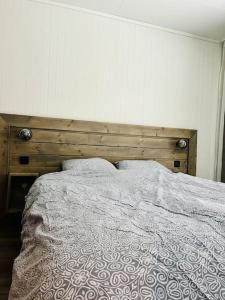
x: 18, y: 187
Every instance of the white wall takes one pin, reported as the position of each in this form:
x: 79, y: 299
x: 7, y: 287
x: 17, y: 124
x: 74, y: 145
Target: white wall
x: 57, y: 61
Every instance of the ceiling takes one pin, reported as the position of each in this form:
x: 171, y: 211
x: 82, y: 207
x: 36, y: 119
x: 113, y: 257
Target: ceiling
x: 199, y: 17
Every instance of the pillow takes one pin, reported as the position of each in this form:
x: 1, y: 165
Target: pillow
x: 87, y: 165
x: 140, y: 164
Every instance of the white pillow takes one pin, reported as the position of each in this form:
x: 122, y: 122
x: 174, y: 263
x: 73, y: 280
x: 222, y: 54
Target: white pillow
x: 140, y: 164
x: 88, y: 165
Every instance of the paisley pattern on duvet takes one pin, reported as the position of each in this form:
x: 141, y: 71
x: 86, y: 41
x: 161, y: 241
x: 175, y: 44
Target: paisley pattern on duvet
x: 122, y: 235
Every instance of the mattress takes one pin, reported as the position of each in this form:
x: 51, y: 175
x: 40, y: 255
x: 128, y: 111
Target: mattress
x: 122, y: 235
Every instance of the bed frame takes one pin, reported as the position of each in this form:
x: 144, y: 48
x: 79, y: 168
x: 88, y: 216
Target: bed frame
x: 54, y: 140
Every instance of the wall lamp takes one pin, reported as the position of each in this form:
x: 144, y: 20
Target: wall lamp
x: 25, y: 134
x: 181, y: 144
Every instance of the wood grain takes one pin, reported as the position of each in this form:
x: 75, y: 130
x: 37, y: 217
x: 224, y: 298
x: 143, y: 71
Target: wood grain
x: 55, y: 140
x: 106, y: 139
x: 90, y: 126
x: 3, y: 163
x: 94, y: 151
x: 192, y: 154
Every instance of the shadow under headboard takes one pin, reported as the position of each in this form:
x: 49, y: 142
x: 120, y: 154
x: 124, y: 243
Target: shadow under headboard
x: 54, y: 140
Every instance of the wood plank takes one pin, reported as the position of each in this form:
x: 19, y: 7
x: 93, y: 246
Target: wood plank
x: 34, y: 169
x: 3, y: 163
x: 56, y: 160
x: 96, y: 151
x: 52, y: 163
x: 44, y: 170
x: 75, y: 138
x: 170, y: 165
x: 192, y: 154
x: 40, y: 160
x: 19, y: 174
x: 91, y: 126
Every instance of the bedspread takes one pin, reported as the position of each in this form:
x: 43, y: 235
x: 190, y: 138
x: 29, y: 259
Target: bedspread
x: 122, y: 235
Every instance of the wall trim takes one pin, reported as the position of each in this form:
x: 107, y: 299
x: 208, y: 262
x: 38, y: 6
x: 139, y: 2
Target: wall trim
x: 220, y: 119
x: 123, y: 19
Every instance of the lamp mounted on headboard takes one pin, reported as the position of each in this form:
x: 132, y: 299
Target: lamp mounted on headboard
x: 181, y: 144
x: 25, y: 134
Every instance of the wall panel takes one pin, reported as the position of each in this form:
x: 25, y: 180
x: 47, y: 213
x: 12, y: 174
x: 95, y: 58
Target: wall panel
x: 60, y: 62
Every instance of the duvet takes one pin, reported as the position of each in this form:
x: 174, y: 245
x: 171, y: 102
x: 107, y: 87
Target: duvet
x: 122, y: 235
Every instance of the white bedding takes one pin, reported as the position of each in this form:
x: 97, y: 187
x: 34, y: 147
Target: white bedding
x: 122, y: 235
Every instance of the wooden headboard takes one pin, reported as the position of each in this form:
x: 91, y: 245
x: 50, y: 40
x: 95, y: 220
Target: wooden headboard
x: 54, y: 140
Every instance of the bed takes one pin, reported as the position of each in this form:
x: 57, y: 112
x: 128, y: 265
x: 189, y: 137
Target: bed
x: 112, y: 234
x: 102, y: 234
x: 53, y: 140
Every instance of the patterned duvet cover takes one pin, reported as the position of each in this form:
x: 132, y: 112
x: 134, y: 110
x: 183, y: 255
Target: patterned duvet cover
x: 122, y: 235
